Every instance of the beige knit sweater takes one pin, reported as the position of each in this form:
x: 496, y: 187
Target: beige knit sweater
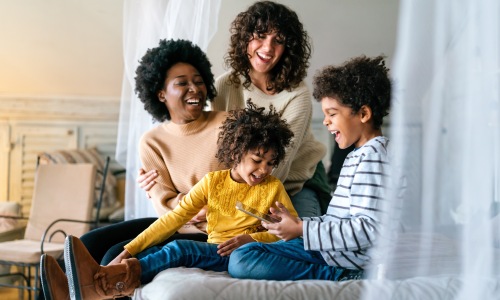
x: 306, y: 152
x: 182, y: 155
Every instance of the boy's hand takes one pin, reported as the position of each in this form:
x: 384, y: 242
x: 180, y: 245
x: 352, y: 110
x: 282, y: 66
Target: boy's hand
x: 229, y: 246
x: 288, y: 228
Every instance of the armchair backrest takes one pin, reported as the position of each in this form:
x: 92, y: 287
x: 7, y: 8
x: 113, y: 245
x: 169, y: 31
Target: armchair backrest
x: 62, y: 191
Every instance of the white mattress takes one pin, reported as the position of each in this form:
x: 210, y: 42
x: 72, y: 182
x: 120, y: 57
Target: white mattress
x: 193, y: 284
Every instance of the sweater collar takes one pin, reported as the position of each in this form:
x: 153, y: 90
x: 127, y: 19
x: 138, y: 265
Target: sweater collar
x: 189, y: 128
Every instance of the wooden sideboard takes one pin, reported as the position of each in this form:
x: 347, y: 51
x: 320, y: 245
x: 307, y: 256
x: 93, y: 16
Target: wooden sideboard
x: 30, y: 125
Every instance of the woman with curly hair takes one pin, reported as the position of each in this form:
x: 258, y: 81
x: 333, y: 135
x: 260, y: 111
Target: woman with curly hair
x: 269, y: 55
x: 251, y: 142
x: 174, y: 81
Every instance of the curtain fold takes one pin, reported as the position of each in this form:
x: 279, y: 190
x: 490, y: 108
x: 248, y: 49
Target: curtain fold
x: 145, y: 22
x: 444, y: 130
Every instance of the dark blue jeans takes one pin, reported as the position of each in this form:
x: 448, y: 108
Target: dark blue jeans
x: 284, y: 261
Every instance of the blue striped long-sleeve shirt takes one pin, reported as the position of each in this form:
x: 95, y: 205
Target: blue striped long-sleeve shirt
x: 350, y: 226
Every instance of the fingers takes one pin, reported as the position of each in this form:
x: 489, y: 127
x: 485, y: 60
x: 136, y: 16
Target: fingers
x: 149, y: 186
x: 281, y: 206
x: 147, y: 180
x: 227, y: 247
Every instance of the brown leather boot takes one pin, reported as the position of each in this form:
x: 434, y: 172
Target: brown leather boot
x: 89, y: 280
x: 54, y: 281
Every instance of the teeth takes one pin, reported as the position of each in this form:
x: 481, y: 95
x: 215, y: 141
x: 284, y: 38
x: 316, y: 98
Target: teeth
x: 193, y: 102
x: 264, y: 56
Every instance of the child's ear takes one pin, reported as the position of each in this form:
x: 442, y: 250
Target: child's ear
x: 365, y: 113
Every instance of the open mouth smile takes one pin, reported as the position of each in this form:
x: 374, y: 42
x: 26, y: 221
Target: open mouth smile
x: 194, y: 102
x: 264, y: 57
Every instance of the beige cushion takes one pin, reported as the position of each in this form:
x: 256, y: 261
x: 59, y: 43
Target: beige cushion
x: 28, y: 251
x: 92, y: 156
x: 62, y: 191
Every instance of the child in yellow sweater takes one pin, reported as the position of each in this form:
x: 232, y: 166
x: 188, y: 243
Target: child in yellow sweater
x: 252, y: 142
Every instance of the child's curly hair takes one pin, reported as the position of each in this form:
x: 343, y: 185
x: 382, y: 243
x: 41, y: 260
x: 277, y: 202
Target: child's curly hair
x: 252, y: 128
x: 153, y: 67
x: 360, y: 81
x: 264, y: 17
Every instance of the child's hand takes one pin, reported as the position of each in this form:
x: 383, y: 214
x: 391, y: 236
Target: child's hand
x: 229, y: 246
x: 123, y: 255
x: 146, y: 180
x: 288, y: 228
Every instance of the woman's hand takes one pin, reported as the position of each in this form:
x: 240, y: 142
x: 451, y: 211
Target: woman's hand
x: 124, y: 255
x: 229, y: 246
x: 288, y: 228
x: 146, y: 180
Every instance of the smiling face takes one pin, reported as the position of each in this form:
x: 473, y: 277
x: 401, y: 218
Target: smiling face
x: 347, y: 126
x: 254, y: 167
x: 184, y: 93
x: 264, y: 51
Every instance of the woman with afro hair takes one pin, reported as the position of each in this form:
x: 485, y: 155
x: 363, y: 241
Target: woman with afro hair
x: 174, y: 81
x: 269, y: 55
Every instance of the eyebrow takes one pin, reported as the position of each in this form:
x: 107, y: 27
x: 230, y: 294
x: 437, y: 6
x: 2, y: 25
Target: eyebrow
x: 195, y: 75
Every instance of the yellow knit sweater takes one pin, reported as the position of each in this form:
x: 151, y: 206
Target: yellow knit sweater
x: 219, y: 192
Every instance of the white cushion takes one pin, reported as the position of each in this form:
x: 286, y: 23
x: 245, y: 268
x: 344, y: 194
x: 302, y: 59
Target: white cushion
x: 193, y: 284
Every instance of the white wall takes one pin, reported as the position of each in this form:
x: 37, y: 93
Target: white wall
x: 61, y: 48
x: 339, y: 29
x: 74, y: 47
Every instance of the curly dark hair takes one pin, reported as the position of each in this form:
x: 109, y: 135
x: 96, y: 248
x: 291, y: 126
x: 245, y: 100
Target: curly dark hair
x: 252, y: 128
x: 264, y: 17
x: 153, y: 67
x: 360, y: 81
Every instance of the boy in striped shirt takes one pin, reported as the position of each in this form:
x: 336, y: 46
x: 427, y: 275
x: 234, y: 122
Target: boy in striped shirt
x: 354, y: 99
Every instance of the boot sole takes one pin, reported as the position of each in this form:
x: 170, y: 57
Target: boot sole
x: 43, y: 278
x: 71, y: 271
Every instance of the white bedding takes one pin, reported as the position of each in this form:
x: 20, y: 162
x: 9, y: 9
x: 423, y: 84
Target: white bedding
x: 192, y: 284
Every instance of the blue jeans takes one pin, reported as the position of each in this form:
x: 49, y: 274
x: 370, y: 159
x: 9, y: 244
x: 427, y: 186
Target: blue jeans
x: 284, y: 261
x: 306, y: 203
x: 180, y: 253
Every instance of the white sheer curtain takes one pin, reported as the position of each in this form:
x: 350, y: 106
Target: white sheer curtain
x: 145, y: 23
x: 446, y: 142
